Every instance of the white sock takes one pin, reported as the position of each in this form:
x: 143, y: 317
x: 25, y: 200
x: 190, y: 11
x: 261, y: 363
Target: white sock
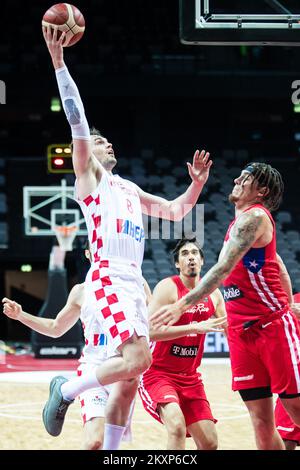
x: 112, y: 436
x: 76, y: 386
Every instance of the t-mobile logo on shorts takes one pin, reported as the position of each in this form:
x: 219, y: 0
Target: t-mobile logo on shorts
x: 184, y: 351
x: 232, y: 293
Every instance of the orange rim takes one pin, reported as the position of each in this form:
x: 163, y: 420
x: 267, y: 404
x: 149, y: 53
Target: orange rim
x: 64, y: 230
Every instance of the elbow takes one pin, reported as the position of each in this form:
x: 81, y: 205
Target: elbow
x: 176, y: 218
x: 176, y: 213
x: 55, y: 332
x: 179, y: 211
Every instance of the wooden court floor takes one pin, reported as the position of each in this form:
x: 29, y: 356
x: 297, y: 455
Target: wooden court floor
x: 21, y: 427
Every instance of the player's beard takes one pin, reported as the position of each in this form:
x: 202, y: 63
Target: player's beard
x: 110, y: 163
x: 233, y: 199
x: 192, y: 273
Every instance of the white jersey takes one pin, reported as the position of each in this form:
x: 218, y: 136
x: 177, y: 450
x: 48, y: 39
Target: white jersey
x: 114, y: 221
x: 95, y: 349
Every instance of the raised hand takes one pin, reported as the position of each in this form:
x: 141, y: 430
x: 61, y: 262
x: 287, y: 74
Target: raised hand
x: 199, y: 170
x: 11, y: 309
x: 55, y: 45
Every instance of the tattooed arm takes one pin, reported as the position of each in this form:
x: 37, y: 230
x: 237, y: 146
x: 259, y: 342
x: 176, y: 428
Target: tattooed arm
x: 246, y: 232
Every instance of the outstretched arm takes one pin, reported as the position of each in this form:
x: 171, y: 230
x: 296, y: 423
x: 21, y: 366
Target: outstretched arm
x: 177, y: 209
x: 247, y: 230
x: 85, y: 165
x: 54, y: 328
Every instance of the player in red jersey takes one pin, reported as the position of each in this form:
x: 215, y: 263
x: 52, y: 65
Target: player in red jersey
x: 289, y: 432
x: 171, y: 389
x: 263, y: 333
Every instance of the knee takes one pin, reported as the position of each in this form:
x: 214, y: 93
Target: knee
x: 262, y: 425
x: 139, y: 364
x: 208, y: 441
x: 93, y: 444
x: 210, y: 444
x: 177, y: 430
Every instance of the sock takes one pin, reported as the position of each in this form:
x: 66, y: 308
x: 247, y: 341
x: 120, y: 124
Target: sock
x: 76, y: 386
x: 112, y: 436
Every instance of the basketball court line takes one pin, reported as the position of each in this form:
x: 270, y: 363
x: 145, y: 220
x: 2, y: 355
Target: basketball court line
x: 16, y: 406
x: 40, y: 376
x: 45, y: 376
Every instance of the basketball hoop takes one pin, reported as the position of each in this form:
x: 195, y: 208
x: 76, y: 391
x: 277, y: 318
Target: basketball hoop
x: 65, y: 235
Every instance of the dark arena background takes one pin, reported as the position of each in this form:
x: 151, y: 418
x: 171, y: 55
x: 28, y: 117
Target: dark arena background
x: 158, y: 89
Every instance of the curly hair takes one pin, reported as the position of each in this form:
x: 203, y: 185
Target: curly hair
x: 265, y: 175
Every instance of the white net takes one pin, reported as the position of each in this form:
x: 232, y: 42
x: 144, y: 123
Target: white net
x: 65, y: 235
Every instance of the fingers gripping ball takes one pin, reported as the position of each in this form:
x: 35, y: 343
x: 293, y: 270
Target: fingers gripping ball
x: 66, y: 17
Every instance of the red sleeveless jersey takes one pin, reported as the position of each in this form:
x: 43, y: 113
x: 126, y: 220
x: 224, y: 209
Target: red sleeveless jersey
x: 183, y: 355
x: 253, y: 289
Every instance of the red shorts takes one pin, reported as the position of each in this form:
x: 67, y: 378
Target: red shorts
x: 267, y: 354
x: 188, y: 392
x: 286, y: 428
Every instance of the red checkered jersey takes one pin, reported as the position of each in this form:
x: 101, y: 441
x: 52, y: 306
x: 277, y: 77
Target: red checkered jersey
x: 253, y: 288
x: 114, y: 221
x: 183, y: 355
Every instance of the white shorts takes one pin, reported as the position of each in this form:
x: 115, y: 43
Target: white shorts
x: 118, y: 289
x: 93, y: 401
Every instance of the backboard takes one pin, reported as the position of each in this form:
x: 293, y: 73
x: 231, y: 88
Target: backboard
x: 45, y: 207
x: 243, y: 22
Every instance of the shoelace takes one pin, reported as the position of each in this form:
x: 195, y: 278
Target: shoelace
x: 61, y: 411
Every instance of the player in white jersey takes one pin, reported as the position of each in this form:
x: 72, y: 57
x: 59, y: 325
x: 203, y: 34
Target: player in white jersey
x: 100, y: 403
x: 113, y: 210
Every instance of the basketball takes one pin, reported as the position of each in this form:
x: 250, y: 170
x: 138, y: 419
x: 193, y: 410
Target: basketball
x: 66, y: 18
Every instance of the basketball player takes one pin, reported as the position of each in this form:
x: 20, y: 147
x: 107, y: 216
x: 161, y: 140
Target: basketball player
x: 112, y: 208
x: 289, y: 432
x: 171, y: 389
x: 263, y: 333
x: 112, y: 402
